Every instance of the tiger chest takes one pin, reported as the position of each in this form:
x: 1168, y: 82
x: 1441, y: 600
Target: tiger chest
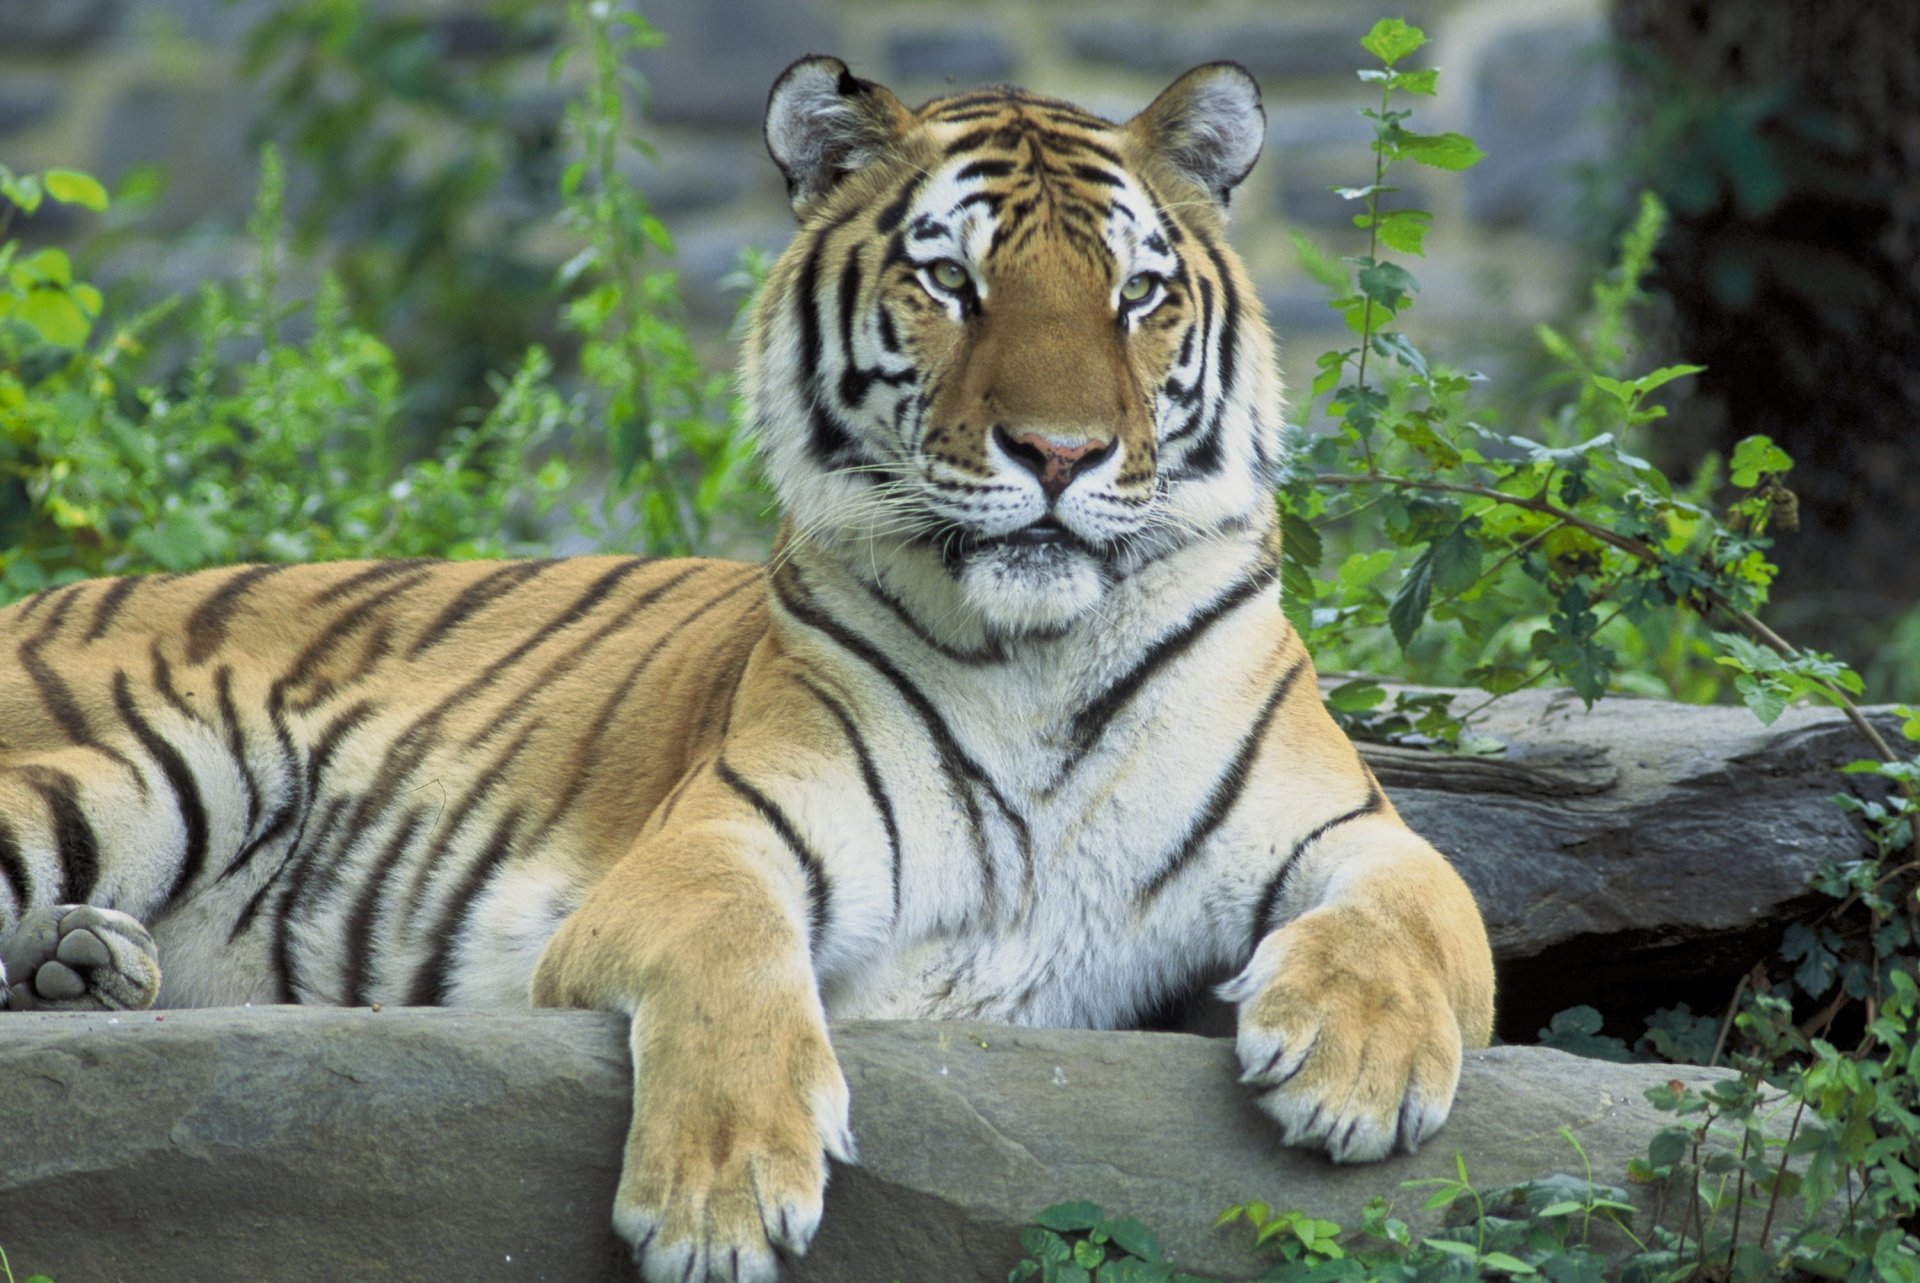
x: 1061, y: 917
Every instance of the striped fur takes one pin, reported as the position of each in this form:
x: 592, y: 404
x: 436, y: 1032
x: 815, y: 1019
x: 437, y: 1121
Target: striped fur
x: 1010, y: 728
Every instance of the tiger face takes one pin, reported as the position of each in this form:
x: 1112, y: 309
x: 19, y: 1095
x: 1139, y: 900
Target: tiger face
x: 1017, y: 362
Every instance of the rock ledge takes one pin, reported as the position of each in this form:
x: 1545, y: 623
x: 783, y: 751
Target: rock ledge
x: 291, y: 1143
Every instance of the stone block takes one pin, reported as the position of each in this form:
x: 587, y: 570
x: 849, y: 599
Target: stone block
x: 1541, y: 101
x: 24, y: 104
x: 959, y: 56
x: 246, y: 1144
x: 56, y: 26
x: 198, y: 134
x: 1276, y: 47
x: 721, y: 56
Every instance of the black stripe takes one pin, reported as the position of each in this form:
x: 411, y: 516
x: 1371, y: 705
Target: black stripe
x: 984, y: 169
x: 484, y: 784
x: 854, y: 381
x: 474, y: 597
x: 1206, y: 327
x: 72, y: 836
x: 1091, y: 722
x: 994, y: 652
x: 587, y: 750
x: 13, y: 867
x: 58, y: 696
x: 358, y: 927
x: 430, y: 983
x: 237, y: 742
x: 962, y: 772
x: 207, y: 625
x: 895, y: 211
x: 110, y: 603
x: 344, y: 626
x: 870, y: 775
x: 1203, y: 457
x: 525, y: 698
x: 163, y: 683
x: 819, y: 891
x: 407, y: 751
x: 299, y: 811
x: 377, y: 572
x: 1094, y: 174
x: 998, y: 98
x: 286, y: 984
x: 294, y: 808
x: 1226, y: 790
x: 1270, y: 894
x: 186, y: 794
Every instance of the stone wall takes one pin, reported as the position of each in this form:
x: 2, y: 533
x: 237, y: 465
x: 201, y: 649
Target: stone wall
x: 111, y: 85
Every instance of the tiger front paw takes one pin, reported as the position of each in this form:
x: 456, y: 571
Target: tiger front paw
x: 73, y: 957
x: 1348, y: 1040
x: 726, y: 1160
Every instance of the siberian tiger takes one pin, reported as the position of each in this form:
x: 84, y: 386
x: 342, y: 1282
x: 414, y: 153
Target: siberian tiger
x: 1011, y: 728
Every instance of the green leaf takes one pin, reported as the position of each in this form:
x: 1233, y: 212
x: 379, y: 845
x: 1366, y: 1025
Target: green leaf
x: 1416, y: 82
x: 1392, y: 39
x: 1132, y: 1237
x: 71, y: 187
x: 1396, y: 345
x: 1756, y: 455
x: 54, y: 315
x: 1440, y: 151
x: 1088, y: 1254
x: 1508, y: 1264
x: 1401, y: 229
x: 1387, y: 284
x: 1668, y: 1146
x: 1766, y: 696
x: 1449, y: 1247
x: 1319, y: 264
x: 1409, y: 605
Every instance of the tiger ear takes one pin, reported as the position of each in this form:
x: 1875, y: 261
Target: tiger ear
x: 1208, y: 125
x: 823, y: 123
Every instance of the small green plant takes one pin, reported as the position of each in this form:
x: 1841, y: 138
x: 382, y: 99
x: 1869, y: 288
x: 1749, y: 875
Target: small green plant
x: 6, y: 1272
x: 1079, y: 1243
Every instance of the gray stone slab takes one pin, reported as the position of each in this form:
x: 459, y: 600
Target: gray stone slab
x: 279, y: 1143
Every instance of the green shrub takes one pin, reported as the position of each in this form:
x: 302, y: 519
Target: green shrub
x: 278, y: 438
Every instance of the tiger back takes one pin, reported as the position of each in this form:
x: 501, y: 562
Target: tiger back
x: 1010, y: 727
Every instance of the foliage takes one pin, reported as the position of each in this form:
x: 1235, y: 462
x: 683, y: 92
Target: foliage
x: 6, y: 1272
x: 427, y: 179
x: 277, y: 437
x: 1501, y: 559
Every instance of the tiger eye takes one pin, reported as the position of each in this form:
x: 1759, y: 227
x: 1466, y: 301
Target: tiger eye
x: 949, y: 275
x: 1137, y: 287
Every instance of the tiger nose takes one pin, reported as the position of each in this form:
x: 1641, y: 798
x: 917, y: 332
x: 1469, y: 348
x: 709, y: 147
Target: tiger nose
x: 1053, y: 460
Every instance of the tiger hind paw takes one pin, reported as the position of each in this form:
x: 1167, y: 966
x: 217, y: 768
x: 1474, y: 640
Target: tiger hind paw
x: 74, y: 957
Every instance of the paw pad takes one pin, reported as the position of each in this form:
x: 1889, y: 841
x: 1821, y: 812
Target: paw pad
x: 79, y: 958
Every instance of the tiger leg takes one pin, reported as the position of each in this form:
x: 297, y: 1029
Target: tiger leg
x: 701, y: 937
x: 66, y: 943
x: 1354, y: 1014
x: 74, y: 957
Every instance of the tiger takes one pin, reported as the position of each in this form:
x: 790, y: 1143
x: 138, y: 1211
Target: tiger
x: 1010, y: 727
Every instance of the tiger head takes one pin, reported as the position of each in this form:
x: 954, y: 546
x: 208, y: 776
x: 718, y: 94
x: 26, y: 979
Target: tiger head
x: 1009, y: 359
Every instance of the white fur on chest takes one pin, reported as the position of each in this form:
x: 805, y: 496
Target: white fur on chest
x: 1061, y: 932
